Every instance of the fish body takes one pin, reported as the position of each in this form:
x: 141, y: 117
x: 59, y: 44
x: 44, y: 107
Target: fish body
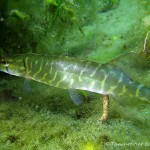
x: 112, y: 78
x: 71, y: 73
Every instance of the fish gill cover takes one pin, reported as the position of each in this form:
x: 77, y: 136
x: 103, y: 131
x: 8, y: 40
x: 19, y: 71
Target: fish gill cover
x: 37, y: 116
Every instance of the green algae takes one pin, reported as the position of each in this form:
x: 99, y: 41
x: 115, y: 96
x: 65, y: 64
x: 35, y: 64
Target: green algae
x: 45, y: 120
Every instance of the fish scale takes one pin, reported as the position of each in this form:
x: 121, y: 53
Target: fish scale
x: 58, y: 73
x: 71, y: 73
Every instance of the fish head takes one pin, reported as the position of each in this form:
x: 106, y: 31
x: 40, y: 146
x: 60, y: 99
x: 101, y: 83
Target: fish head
x: 14, y: 66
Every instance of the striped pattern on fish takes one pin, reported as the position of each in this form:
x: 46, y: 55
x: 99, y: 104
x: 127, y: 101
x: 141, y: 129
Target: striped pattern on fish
x: 71, y: 73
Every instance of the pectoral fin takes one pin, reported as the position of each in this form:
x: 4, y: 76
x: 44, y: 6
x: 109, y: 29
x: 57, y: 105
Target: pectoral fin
x: 76, y: 97
x: 26, y: 86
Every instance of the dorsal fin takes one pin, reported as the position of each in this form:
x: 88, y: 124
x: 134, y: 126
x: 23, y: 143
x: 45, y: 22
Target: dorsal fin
x: 147, y: 43
x: 135, y: 65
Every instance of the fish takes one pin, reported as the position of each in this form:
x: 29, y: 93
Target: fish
x: 77, y: 74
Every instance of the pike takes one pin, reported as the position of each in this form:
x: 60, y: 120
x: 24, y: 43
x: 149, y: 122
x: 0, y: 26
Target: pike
x: 76, y: 74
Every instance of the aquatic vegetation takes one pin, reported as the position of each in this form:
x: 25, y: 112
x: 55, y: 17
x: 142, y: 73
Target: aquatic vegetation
x: 41, y: 122
x: 51, y: 4
x: 146, y: 21
x: 19, y: 15
x: 106, y: 5
x: 7, y: 95
x: 34, y: 29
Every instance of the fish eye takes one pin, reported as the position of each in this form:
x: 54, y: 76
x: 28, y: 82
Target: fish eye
x: 4, y: 62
